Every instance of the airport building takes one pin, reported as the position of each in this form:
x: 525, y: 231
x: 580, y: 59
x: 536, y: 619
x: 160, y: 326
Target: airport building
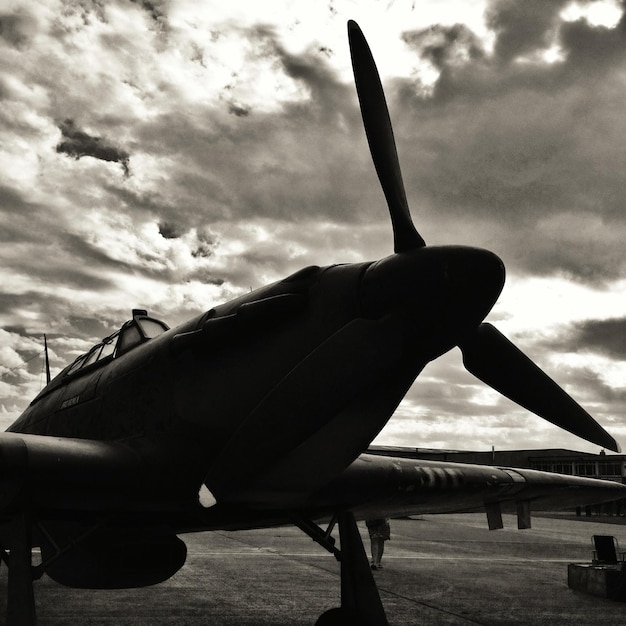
x: 558, y: 460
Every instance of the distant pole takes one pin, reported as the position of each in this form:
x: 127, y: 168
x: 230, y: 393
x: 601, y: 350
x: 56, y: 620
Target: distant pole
x: 45, y: 349
x: 493, y: 455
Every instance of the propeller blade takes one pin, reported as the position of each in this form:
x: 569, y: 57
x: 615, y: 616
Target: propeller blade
x: 381, y: 141
x: 490, y: 356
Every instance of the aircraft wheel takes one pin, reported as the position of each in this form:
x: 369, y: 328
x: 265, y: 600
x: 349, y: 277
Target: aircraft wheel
x: 339, y: 617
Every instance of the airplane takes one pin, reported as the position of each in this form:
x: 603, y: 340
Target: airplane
x: 258, y: 412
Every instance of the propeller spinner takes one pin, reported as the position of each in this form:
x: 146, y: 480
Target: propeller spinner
x: 486, y: 352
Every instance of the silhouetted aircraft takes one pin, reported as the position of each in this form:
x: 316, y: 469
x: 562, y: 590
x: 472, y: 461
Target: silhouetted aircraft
x: 258, y: 411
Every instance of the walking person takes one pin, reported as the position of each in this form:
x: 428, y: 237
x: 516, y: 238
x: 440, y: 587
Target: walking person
x: 379, y: 531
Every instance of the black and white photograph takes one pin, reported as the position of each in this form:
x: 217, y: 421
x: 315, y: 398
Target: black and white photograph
x: 312, y: 313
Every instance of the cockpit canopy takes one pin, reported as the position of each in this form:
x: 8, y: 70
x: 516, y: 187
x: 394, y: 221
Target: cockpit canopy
x: 134, y: 332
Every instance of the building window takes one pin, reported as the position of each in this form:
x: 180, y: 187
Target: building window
x: 586, y: 469
x: 562, y: 468
x: 610, y: 469
x: 542, y: 467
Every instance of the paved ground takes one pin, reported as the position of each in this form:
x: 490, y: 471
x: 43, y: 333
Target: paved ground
x: 445, y: 569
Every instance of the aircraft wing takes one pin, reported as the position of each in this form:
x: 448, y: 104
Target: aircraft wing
x: 65, y: 472
x: 57, y: 473
x: 380, y: 486
x: 51, y: 473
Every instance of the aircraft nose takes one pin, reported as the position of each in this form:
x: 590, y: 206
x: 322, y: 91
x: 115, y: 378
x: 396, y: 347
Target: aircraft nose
x: 474, y: 278
x: 457, y: 285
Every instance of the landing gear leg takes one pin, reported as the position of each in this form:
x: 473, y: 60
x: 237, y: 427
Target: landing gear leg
x: 359, y: 594
x: 360, y: 600
x: 20, y: 597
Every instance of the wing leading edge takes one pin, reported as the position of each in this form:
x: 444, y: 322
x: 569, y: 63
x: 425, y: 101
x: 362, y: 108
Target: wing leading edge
x: 376, y: 486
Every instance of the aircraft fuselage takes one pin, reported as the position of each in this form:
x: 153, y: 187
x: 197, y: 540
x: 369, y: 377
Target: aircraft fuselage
x: 291, y: 365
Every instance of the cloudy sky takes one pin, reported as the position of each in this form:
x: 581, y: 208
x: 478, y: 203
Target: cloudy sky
x: 172, y: 154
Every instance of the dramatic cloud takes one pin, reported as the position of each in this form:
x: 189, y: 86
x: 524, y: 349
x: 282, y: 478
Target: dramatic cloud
x: 519, y: 146
x: 523, y: 28
x: 171, y: 155
x: 77, y: 144
x: 605, y: 336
